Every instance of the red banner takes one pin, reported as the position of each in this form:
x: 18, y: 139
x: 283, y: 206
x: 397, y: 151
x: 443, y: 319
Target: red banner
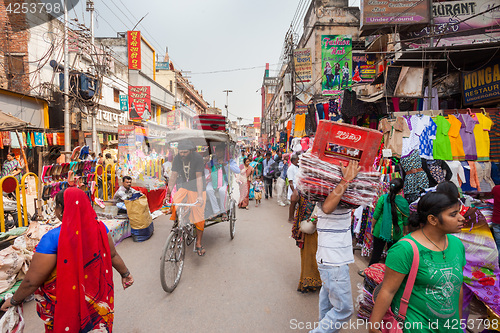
x: 134, y: 49
x: 256, y: 122
x: 139, y: 103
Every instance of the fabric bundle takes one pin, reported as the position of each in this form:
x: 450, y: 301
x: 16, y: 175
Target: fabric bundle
x: 317, y: 179
x: 373, y: 277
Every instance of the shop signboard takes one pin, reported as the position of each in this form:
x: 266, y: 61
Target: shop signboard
x: 126, y: 142
x: 336, y: 59
x: 123, y: 103
x: 483, y: 85
x: 139, y: 103
x: 363, y: 67
x: 134, y: 49
x: 256, y: 122
x: 165, y: 65
x: 460, y: 23
x: 303, y: 66
x: 171, y: 118
x: 379, y: 14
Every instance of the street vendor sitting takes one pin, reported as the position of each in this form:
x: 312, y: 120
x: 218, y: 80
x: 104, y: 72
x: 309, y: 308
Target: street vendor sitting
x: 218, y: 170
x: 125, y: 192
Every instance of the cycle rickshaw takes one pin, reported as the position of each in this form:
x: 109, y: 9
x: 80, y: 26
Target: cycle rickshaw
x: 183, y: 232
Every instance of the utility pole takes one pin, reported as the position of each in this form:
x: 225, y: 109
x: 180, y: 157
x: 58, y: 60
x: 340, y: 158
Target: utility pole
x: 227, y: 99
x: 67, y: 124
x: 90, y: 8
x: 239, y: 124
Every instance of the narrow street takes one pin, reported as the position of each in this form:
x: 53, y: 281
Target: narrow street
x: 244, y: 285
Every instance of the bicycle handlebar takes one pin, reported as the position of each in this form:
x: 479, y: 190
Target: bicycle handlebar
x: 186, y: 204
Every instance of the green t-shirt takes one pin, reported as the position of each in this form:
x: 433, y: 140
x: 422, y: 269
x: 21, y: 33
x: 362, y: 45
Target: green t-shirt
x: 434, y: 301
x: 442, y: 145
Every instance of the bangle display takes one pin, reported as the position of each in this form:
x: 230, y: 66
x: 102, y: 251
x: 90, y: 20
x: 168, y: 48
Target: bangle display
x: 126, y: 274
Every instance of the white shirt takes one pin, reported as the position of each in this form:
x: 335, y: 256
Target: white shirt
x: 334, y: 238
x: 458, y: 171
x: 291, y: 175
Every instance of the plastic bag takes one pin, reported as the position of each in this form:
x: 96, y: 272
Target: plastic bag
x: 12, y: 321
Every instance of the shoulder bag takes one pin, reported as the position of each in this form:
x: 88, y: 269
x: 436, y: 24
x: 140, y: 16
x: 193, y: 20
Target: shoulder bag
x: 392, y: 323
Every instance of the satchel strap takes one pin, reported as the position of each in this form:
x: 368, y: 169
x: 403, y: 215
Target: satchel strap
x: 403, y: 306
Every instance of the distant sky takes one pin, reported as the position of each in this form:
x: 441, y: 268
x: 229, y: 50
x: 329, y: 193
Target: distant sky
x: 206, y: 36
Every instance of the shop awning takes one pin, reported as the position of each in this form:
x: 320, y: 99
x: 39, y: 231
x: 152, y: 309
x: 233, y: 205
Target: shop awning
x: 11, y: 123
x: 198, y: 137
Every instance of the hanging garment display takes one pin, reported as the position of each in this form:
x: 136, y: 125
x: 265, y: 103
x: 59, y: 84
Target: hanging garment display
x: 457, y: 146
x: 442, y: 146
x: 434, y: 99
x: 495, y: 136
x: 38, y: 139
x: 321, y: 111
x: 482, y: 136
x: 437, y: 171
x: 415, y: 178
x: 394, y: 130
x: 484, y: 176
x: 300, y: 125
x: 458, y: 173
x: 333, y: 108
x: 467, y: 135
x: 6, y: 138
x: 427, y: 136
x: 311, y: 120
x: 14, y: 140
x: 470, y: 184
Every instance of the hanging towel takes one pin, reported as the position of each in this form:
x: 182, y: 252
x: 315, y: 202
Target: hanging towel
x: 321, y: 111
x: 395, y: 102
x: 1, y: 142
x: 50, y: 139
x: 6, y: 138
x: 28, y: 140
x: 60, y: 139
x: 38, y: 139
x: 300, y: 126
x: 288, y: 128
x: 14, y: 141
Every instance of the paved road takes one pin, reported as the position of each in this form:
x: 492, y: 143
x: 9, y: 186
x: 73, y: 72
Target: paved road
x: 244, y: 285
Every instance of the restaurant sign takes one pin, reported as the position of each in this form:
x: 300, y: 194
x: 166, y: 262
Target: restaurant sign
x: 482, y: 85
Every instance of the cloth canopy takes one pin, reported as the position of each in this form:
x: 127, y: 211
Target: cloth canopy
x: 11, y: 123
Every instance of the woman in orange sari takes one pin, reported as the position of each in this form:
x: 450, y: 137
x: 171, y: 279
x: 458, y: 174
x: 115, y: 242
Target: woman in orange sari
x: 79, y: 255
x: 246, y: 180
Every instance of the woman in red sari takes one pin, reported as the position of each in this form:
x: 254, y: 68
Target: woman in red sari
x: 246, y: 180
x: 79, y: 255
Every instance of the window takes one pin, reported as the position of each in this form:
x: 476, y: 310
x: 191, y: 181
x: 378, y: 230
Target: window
x: 15, y: 74
x: 116, y: 95
x: 171, y: 86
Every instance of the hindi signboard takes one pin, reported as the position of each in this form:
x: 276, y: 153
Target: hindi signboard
x: 123, y: 103
x: 363, y: 67
x: 139, y: 103
x: 134, y: 49
x: 336, y: 59
x: 303, y: 66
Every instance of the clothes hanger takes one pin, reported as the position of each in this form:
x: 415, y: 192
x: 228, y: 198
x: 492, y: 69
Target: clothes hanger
x: 483, y: 111
x: 469, y: 112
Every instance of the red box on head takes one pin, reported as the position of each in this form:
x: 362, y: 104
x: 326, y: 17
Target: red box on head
x: 337, y: 142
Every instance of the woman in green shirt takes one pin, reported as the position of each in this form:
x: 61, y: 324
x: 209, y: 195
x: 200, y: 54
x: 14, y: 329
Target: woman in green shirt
x: 391, y: 217
x: 435, y: 304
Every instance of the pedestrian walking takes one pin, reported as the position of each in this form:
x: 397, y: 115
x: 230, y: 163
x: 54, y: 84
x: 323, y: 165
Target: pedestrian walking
x: 292, y: 192
x: 268, y: 177
x: 246, y: 181
x: 281, y: 187
x: 71, y: 270
x: 436, y: 296
x: 258, y: 187
x: 334, y: 256
x: 310, y: 279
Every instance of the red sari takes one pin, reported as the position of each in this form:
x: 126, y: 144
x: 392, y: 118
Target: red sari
x: 82, y: 282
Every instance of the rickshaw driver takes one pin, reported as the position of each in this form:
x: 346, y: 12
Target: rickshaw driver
x: 218, y: 170
x: 187, y: 174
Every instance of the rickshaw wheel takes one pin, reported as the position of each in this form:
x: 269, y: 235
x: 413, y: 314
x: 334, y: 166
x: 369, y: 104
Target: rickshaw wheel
x: 232, y: 219
x: 172, y: 261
